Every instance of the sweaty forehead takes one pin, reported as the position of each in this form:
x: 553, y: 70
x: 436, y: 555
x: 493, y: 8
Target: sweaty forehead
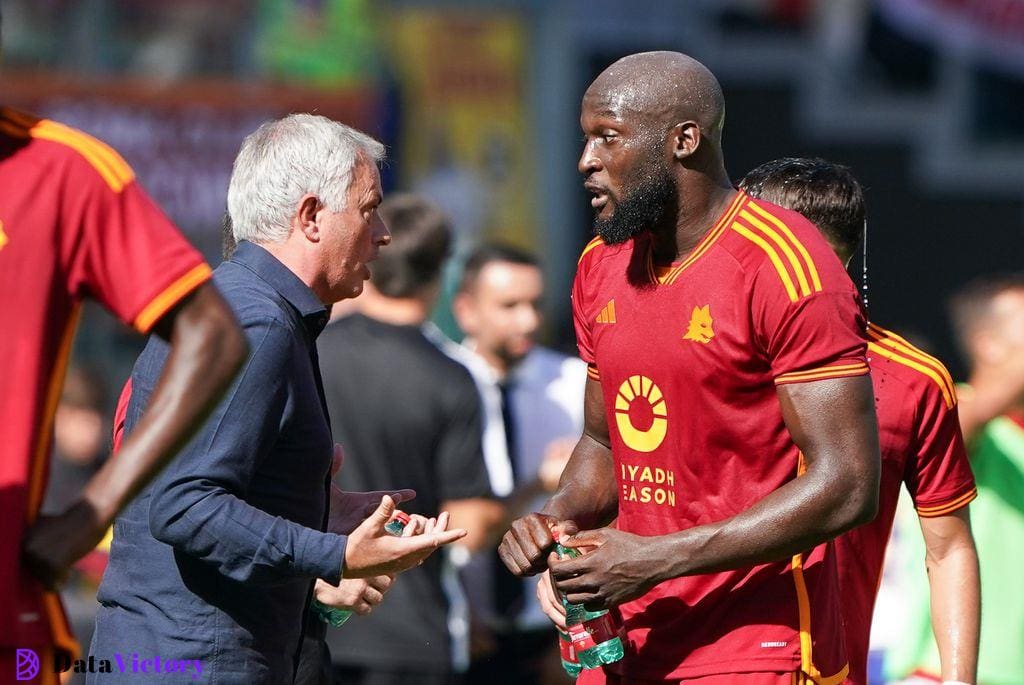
x: 628, y: 102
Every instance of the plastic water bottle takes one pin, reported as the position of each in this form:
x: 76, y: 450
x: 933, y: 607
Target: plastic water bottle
x: 568, y: 654
x: 335, y: 617
x: 593, y: 633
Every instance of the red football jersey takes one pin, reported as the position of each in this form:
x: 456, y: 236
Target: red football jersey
x: 919, y: 433
x: 73, y: 224
x: 689, y: 358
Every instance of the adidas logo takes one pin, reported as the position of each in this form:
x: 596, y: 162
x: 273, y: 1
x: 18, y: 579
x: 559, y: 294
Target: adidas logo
x: 607, y: 314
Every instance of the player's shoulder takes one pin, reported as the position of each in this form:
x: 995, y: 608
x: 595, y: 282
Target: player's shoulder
x: 784, y: 246
x: 597, y: 252
x: 896, y: 362
x: 75, y: 151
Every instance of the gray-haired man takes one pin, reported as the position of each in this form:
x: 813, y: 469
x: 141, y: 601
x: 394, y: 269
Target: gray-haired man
x: 212, y: 567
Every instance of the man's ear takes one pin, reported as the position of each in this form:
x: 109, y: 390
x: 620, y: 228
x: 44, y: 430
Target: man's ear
x: 686, y: 137
x: 463, y: 311
x: 309, y: 207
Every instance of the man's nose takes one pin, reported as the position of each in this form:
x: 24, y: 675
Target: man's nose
x: 588, y: 162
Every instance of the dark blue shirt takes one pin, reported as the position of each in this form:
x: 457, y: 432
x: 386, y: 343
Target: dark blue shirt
x: 215, y: 560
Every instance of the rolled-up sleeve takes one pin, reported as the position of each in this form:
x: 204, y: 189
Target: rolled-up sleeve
x: 198, y: 504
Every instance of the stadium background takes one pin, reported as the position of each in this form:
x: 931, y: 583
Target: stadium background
x: 478, y: 104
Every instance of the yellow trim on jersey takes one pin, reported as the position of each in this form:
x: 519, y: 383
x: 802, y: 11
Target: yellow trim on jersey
x: 948, y: 396
x: 811, y: 269
x: 712, y: 236
x: 804, y: 610
x: 936, y: 369
x: 772, y: 255
x: 804, y: 613
x: 590, y: 246
x: 948, y: 507
x: 41, y: 454
x: 837, y: 371
x: 756, y: 224
x: 170, y: 296
x: 114, y: 170
x: 593, y: 372
x: 607, y: 313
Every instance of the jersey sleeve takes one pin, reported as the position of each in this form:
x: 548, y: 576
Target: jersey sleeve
x: 938, y: 475
x: 582, y: 322
x: 808, y: 320
x: 120, y: 248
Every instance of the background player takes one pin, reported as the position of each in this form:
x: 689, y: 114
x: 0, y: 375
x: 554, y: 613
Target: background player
x: 74, y: 223
x: 919, y: 437
x: 726, y: 359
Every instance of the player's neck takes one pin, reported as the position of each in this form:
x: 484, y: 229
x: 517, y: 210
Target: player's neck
x: 398, y: 311
x: 700, y: 207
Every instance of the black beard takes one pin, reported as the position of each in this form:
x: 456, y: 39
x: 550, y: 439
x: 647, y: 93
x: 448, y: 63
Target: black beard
x: 651, y: 204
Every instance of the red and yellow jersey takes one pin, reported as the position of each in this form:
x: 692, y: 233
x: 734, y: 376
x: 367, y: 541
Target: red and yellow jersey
x: 73, y: 224
x: 689, y: 357
x: 919, y: 434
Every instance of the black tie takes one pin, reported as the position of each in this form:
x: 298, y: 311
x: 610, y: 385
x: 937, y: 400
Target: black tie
x: 508, y: 589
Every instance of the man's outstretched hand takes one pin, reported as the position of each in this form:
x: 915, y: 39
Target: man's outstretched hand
x: 372, y: 551
x: 349, y: 509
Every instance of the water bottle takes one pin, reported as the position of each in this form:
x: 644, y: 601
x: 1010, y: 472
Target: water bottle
x: 335, y: 617
x: 594, y: 636
x: 568, y: 654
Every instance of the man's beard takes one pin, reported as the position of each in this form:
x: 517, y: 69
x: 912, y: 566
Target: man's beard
x: 651, y: 204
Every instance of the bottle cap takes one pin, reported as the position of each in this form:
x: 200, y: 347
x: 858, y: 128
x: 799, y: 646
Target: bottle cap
x: 402, y: 517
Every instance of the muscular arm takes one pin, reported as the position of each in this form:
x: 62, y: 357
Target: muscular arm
x: 207, y: 349
x: 833, y: 424
x: 952, y: 563
x: 586, y: 493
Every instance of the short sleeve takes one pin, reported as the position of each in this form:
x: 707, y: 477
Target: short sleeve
x: 938, y: 476
x: 581, y: 321
x: 124, y: 251
x: 461, y: 470
x: 808, y: 323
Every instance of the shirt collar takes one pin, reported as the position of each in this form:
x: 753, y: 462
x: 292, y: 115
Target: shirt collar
x: 282, y: 279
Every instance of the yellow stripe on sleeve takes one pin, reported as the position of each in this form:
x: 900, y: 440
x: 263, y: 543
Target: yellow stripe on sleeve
x: 772, y: 255
x: 811, y: 269
x: 170, y: 296
x: 822, y: 373
x: 948, y: 507
x: 948, y: 393
x: 757, y: 224
x: 114, y: 170
x: 902, y: 346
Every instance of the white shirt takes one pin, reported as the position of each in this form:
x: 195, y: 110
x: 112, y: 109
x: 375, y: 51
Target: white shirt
x: 547, y: 405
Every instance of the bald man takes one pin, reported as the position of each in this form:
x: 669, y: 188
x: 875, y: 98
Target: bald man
x: 730, y: 426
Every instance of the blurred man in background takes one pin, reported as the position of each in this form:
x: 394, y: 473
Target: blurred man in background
x: 533, y: 409
x: 213, y: 566
x: 988, y: 317
x: 74, y: 223
x: 406, y: 414
x: 919, y: 434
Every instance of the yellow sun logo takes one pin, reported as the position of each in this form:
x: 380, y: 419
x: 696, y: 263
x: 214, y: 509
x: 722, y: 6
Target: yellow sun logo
x: 641, y: 414
x: 700, y: 329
